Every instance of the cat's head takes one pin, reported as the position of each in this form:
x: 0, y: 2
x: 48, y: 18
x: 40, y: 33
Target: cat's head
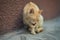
x: 32, y: 11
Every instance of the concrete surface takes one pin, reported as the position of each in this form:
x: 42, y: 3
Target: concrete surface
x: 51, y: 32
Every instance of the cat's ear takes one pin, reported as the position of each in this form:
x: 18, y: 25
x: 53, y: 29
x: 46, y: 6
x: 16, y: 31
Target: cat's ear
x: 40, y: 11
x: 31, y: 11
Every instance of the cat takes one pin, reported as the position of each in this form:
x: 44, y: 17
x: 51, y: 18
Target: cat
x: 32, y: 18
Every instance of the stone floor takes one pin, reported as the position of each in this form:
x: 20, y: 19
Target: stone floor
x: 51, y: 32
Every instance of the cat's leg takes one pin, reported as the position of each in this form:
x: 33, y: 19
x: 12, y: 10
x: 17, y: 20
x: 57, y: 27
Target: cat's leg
x: 40, y: 24
x: 39, y: 29
x: 32, y: 30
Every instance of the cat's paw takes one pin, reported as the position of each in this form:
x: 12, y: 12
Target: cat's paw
x: 39, y: 30
x: 33, y: 33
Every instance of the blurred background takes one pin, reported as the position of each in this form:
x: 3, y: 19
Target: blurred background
x: 11, y: 12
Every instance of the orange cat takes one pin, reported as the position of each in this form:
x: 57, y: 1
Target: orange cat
x: 33, y: 18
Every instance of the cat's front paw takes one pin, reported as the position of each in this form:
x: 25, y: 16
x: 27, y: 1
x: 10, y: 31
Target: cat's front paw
x: 33, y: 33
x: 39, y: 30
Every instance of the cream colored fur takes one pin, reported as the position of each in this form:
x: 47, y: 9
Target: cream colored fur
x: 32, y: 17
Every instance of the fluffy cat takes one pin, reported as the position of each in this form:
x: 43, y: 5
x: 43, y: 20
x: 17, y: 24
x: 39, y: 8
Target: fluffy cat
x: 32, y: 17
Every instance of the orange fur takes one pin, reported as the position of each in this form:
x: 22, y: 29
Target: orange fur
x: 32, y: 17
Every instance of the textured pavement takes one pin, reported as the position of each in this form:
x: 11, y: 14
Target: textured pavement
x: 51, y: 32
